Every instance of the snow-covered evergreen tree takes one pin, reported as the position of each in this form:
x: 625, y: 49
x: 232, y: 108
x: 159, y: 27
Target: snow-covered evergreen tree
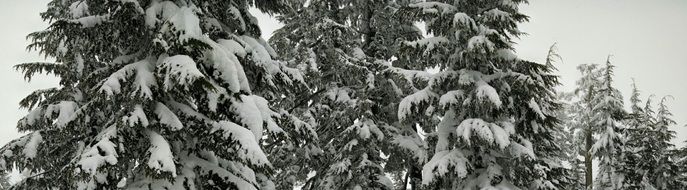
x: 665, y: 173
x: 648, y: 156
x: 573, y: 139
x: 153, y: 94
x: 496, y: 111
x: 582, y: 113
x: 344, y: 46
x: 638, y: 145
x: 540, y: 125
x: 608, y: 113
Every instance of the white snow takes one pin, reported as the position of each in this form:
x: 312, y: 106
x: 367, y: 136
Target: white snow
x: 363, y: 130
x: 32, y: 117
x: 143, y: 81
x: 31, y: 148
x: 384, y: 180
x: 451, y: 98
x: 145, y: 78
x: 349, y: 146
x: 248, y: 148
x: 233, y: 46
x: 406, y: 105
x: 101, y: 153
x: 338, y: 95
x: 501, y: 136
x: 535, y: 107
x: 185, y: 20
x: 262, y: 58
x: 179, y: 70
x: 267, y: 114
x: 411, y: 75
x: 524, y: 148
x: 462, y: 19
x: 182, y: 19
x: 215, y: 97
x: 506, y: 54
x: 161, y: 157
x: 433, y: 7
x: 137, y: 116
x: 79, y: 63
x: 121, y: 183
x: 440, y: 164
x: 340, y: 167
x: 164, y: 9
x: 441, y: 77
x: 467, y: 126
x: 167, y: 117
x: 496, y: 15
x: 429, y: 43
x: 78, y: 9
x: 91, y: 21
x: 226, y: 66
x: 485, y: 90
x: 248, y: 114
x: 480, y: 43
x: 237, y: 16
x: 66, y: 112
x: 446, y: 127
x: 413, y: 144
x: 358, y: 53
x: 489, y: 132
x: 509, y: 4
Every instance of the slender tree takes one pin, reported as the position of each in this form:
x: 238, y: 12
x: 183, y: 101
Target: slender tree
x: 638, y: 144
x: 586, y: 89
x: 665, y: 173
x: 573, y: 139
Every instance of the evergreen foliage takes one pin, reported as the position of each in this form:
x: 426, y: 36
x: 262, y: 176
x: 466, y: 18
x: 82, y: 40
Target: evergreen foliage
x: 153, y: 94
x: 184, y: 94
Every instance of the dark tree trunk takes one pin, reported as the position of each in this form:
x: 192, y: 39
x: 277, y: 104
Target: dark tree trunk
x: 588, y: 159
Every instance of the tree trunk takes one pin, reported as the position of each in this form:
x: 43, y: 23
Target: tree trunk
x: 405, y: 181
x: 588, y: 146
x: 415, y: 177
x: 588, y: 159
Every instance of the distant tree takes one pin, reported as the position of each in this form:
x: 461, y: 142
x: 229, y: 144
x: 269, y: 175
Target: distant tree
x: 608, y: 112
x: 638, y: 144
x: 648, y: 156
x: 665, y: 172
x: 573, y: 139
x: 582, y: 115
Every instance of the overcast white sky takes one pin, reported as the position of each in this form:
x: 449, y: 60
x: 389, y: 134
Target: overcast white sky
x: 648, y: 41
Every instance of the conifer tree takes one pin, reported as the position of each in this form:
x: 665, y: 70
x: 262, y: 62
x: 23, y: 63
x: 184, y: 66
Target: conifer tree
x: 153, y: 94
x: 606, y: 120
x: 665, y: 173
x: 648, y: 158
x: 540, y: 125
x: 339, y: 46
x: 637, y: 145
x: 494, y: 107
x: 586, y: 89
x: 573, y: 140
